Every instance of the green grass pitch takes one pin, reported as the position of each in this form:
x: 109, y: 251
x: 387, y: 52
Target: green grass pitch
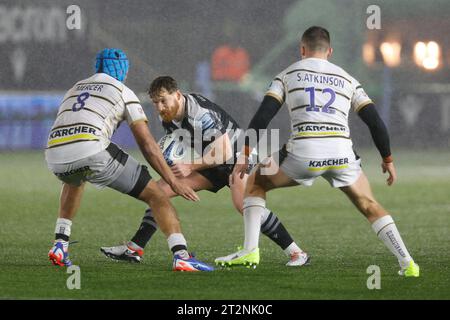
x: 321, y: 219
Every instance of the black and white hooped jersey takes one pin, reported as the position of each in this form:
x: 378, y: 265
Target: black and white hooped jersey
x: 88, y: 116
x: 204, y: 119
x: 319, y: 96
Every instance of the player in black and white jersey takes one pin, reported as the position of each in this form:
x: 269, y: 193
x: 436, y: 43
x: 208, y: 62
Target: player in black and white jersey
x: 203, y: 120
x: 79, y: 149
x: 319, y: 96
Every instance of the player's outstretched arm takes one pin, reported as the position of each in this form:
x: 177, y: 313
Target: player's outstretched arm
x: 380, y: 137
x: 154, y: 157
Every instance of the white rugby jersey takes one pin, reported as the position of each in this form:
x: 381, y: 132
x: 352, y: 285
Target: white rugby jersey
x: 88, y: 116
x: 319, y: 96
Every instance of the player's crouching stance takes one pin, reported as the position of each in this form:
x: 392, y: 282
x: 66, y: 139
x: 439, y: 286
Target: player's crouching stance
x: 79, y: 150
x: 319, y: 96
x: 202, y: 119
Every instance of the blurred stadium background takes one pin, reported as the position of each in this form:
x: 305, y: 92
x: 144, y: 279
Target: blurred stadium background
x: 229, y: 51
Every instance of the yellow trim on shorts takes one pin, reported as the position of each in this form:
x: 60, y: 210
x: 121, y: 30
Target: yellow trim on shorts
x: 345, y: 166
x: 84, y: 136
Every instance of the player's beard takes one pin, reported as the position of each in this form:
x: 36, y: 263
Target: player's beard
x: 171, y: 113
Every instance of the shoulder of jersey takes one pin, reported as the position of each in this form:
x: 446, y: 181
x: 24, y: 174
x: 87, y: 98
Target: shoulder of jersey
x: 342, y: 72
x: 198, y: 97
x: 293, y: 66
x: 102, y: 77
x: 196, y: 100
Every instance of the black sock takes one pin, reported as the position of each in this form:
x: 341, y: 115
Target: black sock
x: 146, y: 230
x: 274, y: 229
x: 178, y: 248
x: 61, y: 236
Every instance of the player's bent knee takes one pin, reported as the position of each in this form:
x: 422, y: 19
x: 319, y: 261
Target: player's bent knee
x: 164, y: 186
x: 260, y: 185
x: 254, y: 190
x: 152, y: 192
x: 160, y: 203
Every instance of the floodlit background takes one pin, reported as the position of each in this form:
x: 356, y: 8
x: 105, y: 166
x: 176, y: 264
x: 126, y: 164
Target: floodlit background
x: 229, y: 51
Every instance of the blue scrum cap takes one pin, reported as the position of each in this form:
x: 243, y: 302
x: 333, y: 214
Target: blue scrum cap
x: 113, y: 62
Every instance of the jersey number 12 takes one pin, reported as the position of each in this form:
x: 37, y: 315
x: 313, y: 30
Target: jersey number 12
x: 312, y: 100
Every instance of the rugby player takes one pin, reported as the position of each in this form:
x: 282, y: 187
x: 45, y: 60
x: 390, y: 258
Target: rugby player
x: 203, y: 120
x: 319, y: 96
x: 79, y: 149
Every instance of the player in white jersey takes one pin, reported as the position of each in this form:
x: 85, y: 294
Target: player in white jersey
x: 319, y: 96
x: 79, y: 149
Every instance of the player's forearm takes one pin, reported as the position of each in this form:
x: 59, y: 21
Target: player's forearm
x: 378, y: 130
x: 151, y: 152
x: 153, y: 155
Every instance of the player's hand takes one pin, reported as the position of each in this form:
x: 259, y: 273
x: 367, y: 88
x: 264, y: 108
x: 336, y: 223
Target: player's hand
x: 185, y: 191
x: 390, y: 169
x: 240, y: 168
x: 181, y: 170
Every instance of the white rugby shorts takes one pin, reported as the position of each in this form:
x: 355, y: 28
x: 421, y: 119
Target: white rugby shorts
x: 111, y: 167
x: 339, y: 172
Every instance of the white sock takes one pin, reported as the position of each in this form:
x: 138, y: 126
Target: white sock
x: 254, y: 208
x: 177, y: 239
x: 293, y: 248
x: 63, y: 226
x: 386, y: 230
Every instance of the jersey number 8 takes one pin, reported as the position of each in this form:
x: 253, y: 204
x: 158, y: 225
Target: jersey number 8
x: 80, y: 101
